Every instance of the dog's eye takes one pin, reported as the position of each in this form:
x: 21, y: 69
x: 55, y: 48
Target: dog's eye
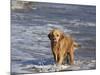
x: 57, y: 35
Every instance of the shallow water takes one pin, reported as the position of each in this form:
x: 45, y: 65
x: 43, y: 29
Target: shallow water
x: 30, y: 46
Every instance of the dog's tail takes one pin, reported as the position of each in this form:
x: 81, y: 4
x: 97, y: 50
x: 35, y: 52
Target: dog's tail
x: 76, y: 45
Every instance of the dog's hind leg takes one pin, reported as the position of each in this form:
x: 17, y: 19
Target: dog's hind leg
x: 72, y: 55
x: 68, y: 58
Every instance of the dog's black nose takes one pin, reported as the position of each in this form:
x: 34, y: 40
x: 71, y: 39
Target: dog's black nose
x: 54, y: 38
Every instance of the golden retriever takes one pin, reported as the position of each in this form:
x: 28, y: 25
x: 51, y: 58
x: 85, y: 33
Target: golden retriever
x: 62, y: 47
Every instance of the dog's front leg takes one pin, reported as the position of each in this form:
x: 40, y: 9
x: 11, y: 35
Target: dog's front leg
x: 61, y: 59
x: 55, y: 56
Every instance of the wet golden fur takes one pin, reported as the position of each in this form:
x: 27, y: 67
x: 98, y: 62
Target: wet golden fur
x: 61, y: 46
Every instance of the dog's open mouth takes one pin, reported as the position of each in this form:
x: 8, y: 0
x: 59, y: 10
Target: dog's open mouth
x: 55, y: 41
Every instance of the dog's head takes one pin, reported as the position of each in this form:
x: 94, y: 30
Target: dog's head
x: 55, y: 35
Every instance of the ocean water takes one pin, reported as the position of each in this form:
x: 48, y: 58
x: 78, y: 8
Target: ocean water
x: 30, y: 45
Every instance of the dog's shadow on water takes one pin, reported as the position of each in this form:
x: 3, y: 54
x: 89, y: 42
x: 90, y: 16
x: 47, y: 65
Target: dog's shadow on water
x: 38, y: 62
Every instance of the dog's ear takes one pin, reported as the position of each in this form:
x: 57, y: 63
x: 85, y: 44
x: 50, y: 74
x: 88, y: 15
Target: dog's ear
x: 50, y: 35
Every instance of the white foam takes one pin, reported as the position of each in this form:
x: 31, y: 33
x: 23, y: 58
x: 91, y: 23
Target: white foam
x: 49, y: 68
